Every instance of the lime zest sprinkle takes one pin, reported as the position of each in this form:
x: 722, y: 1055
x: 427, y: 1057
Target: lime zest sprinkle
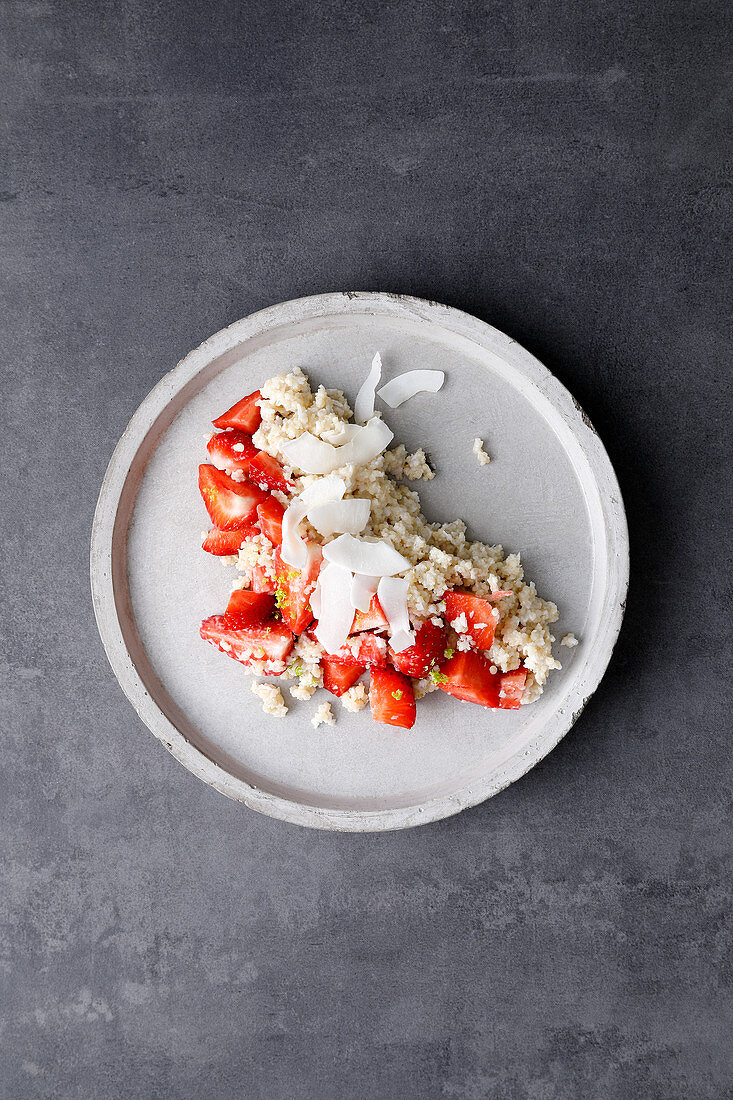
x: 449, y: 652
x: 397, y: 694
x: 437, y: 676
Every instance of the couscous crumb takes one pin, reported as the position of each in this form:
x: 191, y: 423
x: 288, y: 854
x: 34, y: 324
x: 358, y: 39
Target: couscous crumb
x: 481, y: 456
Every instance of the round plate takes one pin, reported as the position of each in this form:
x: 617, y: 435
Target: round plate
x: 550, y: 492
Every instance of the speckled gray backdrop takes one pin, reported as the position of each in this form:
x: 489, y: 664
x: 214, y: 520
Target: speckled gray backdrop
x: 557, y: 168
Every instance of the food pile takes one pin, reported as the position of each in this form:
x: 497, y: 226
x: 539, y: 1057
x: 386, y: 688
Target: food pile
x: 341, y: 576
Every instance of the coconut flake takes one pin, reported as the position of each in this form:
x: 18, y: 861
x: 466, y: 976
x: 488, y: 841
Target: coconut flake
x: 349, y: 516
x: 314, y: 456
x: 363, y: 587
x: 392, y: 596
x: 405, y: 386
x: 344, y: 434
x: 375, y: 557
x: 364, y: 404
x: 337, y: 614
x: 293, y: 550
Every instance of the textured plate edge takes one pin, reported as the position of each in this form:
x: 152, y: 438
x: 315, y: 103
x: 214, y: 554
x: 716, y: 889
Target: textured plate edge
x: 102, y: 587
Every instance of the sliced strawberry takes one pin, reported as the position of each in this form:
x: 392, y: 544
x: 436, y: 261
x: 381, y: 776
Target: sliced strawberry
x: 247, y: 608
x: 232, y: 505
x: 512, y: 689
x: 262, y: 581
x: 391, y: 698
x: 222, y: 543
x: 371, y: 651
x: 339, y: 676
x: 270, y: 513
x: 272, y: 642
x: 267, y: 472
x: 428, y: 650
x: 231, y: 450
x: 245, y: 415
x: 481, y: 617
x: 295, y: 587
x: 373, y: 619
x: 468, y: 676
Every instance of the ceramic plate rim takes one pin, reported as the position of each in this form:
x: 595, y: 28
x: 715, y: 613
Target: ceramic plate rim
x: 103, y: 547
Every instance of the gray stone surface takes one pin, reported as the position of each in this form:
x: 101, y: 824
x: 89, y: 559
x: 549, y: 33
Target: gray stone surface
x: 557, y: 168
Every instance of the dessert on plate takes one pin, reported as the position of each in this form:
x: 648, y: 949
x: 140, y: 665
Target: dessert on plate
x: 342, y: 583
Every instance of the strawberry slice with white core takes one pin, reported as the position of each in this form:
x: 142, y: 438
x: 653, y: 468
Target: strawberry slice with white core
x: 231, y: 450
x: 392, y: 698
x: 224, y: 543
x: 295, y: 586
x: 232, y: 505
x: 270, y: 516
x: 364, y: 650
x: 338, y: 675
x: 245, y: 415
x: 247, y: 608
x: 481, y: 617
x: 266, y: 471
x: 427, y: 652
x: 262, y: 581
x: 373, y: 619
x: 272, y: 642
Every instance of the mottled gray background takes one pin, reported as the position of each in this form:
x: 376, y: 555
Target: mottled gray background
x: 557, y: 168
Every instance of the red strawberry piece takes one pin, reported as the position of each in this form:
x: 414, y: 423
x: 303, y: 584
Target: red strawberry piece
x: 295, y: 587
x: 231, y: 450
x: 428, y: 650
x: 262, y: 581
x: 247, y: 608
x: 512, y: 689
x: 373, y: 619
x: 339, y: 676
x: 468, y: 676
x: 267, y: 472
x: 222, y: 543
x: 391, y: 698
x: 271, y: 642
x: 270, y: 514
x: 481, y: 617
x: 232, y: 505
x: 371, y: 651
x: 245, y: 415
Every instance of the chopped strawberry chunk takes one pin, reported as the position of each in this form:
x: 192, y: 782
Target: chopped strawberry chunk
x: 232, y: 505
x: 428, y: 650
x: 391, y: 698
x: 270, y: 513
x: 468, y: 676
x: 272, y: 642
x: 296, y: 586
x: 512, y: 689
x: 373, y: 619
x: 369, y: 651
x: 338, y: 675
x: 231, y: 450
x: 245, y: 415
x: 222, y: 543
x: 267, y: 472
x: 262, y: 581
x: 247, y: 608
x: 481, y: 617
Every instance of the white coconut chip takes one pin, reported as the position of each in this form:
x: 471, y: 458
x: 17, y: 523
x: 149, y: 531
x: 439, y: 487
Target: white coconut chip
x: 341, y: 516
x: 404, y: 386
x: 364, y: 404
x: 392, y: 596
x: 293, y: 550
x: 363, y: 587
x: 314, y: 456
x: 375, y: 557
x: 337, y: 614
